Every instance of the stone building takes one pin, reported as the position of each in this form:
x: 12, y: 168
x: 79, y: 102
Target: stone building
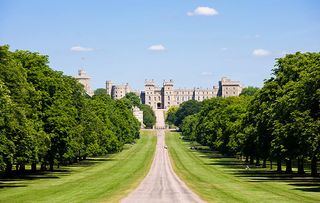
x: 117, y: 91
x: 229, y: 88
x: 84, y: 79
x: 138, y: 114
x: 166, y: 96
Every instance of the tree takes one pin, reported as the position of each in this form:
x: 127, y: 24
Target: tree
x: 249, y: 91
x: 149, y: 118
x: 171, y: 115
x: 46, y: 117
x: 133, y: 98
x: 186, y: 108
x: 100, y: 91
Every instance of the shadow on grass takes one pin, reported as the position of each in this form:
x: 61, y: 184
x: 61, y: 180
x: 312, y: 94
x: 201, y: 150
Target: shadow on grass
x: 253, y: 173
x: 15, y: 179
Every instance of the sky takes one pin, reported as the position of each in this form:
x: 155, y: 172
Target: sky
x: 193, y: 42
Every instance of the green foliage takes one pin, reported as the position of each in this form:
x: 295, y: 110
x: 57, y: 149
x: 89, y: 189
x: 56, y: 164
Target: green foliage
x: 47, y: 118
x: 100, y: 91
x: 171, y: 115
x: 149, y: 118
x: 249, y: 91
x: 133, y: 98
x: 186, y: 108
x: 279, y: 122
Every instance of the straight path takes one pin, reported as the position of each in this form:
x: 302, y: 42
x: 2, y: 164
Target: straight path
x: 161, y: 184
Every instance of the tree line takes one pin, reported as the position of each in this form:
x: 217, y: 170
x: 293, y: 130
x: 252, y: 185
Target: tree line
x: 47, y: 119
x: 133, y: 100
x: 279, y: 122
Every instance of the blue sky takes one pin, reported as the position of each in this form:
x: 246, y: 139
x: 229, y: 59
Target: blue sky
x: 194, y: 42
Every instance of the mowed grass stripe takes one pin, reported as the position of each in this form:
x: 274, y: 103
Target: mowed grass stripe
x: 217, y: 183
x: 109, y: 180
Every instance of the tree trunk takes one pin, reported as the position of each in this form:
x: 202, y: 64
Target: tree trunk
x: 258, y: 161
x: 247, y: 159
x: 300, y: 166
x: 314, y: 171
x: 279, y: 167
x: 51, y: 165
x: 270, y: 164
x: 251, y: 160
x: 43, y: 167
x: 34, y: 167
x: 22, y: 168
x: 288, y: 166
x: 8, y: 170
x: 264, y: 163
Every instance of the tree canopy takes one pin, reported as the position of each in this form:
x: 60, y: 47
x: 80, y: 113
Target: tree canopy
x: 278, y: 122
x: 46, y: 118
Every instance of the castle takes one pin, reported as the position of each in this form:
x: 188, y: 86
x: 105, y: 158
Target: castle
x: 84, y: 79
x: 166, y: 96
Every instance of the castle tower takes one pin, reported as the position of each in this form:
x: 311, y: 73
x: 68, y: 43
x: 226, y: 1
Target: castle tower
x: 149, y: 88
x: 109, y: 87
x: 84, y: 79
x: 229, y: 87
x: 168, y: 94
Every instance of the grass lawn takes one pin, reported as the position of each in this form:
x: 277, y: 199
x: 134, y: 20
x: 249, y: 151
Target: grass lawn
x: 221, y: 179
x: 95, y: 180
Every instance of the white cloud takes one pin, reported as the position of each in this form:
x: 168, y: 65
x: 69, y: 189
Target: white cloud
x: 206, y: 73
x: 261, y: 52
x: 80, y: 48
x: 203, y: 11
x: 157, y: 47
x: 224, y: 49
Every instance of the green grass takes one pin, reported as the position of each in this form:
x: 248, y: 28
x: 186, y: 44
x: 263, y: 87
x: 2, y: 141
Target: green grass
x: 223, y: 179
x: 105, y: 179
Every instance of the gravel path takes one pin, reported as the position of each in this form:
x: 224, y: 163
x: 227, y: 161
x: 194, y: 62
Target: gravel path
x: 161, y: 184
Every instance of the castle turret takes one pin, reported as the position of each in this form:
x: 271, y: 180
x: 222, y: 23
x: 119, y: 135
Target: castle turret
x: 168, y: 94
x: 84, y: 79
x: 109, y: 87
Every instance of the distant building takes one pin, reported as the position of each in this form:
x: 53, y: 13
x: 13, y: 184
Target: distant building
x: 167, y: 96
x: 138, y: 114
x: 229, y: 88
x: 117, y: 91
x: 84, y: 79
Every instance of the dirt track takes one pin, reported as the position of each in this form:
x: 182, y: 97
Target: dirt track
x: 161, y: 184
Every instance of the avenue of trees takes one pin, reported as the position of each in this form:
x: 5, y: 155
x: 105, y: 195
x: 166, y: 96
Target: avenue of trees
x: 279, y: 122
x: 47, y: 119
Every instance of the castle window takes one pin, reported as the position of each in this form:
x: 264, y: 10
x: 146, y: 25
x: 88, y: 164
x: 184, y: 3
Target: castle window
x: 226, y: 92
x: 234, y: 92
x: 155, y: 98
x: 149, y: 97
x: 168, y: 97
